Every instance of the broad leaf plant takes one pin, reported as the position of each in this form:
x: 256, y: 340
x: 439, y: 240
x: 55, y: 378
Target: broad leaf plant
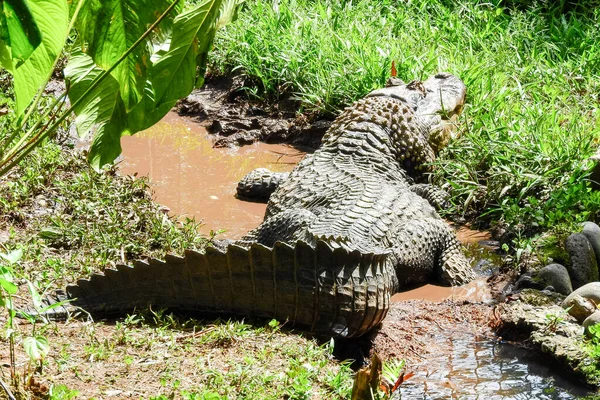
x: 129, y: 62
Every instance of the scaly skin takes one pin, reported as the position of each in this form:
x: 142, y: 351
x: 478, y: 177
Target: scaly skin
x: 341, y: 234
x: 356, y: 189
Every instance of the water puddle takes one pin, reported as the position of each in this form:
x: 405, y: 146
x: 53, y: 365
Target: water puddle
x: 467, y: 235
x: 192, y: 178
x: 470, y: 369
x: 476, y: 291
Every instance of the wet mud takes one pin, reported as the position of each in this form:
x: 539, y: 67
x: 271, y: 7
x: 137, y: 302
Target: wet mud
x: 222, y: 107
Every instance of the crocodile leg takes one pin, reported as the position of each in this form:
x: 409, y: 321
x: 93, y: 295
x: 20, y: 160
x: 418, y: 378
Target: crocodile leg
x: 259, y: 184
x: 427, y: 250
x: 287, y: 226
x: 438, y: 198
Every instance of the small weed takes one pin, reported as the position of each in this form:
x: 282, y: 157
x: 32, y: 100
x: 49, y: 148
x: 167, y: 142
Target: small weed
x: 61, y: 392
x: 591, y: 344
x: 98, y: 351
x: 553, y: 321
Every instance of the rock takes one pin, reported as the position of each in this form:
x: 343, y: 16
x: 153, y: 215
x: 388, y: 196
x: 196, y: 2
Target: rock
x: 559, y: 337
x: 592, y: 233
x: 539, y: 297
x: 591, y: 291
x: 526, y: 281
x: 579, y: 307
x: 583, y: 268
x: 584, y: 301
x: 591, y: 320
x: 557, y: 276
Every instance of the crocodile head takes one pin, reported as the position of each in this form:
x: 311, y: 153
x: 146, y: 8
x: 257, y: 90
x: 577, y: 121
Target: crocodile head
x: 437, y: 101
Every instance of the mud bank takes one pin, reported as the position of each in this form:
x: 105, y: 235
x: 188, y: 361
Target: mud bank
x: 224, y: 111
x: 534, y: 319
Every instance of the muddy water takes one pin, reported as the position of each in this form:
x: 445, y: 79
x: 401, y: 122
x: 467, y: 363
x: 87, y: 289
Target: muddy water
x: 467, y: 368
x: 477, y: 290
x: 193, y: 179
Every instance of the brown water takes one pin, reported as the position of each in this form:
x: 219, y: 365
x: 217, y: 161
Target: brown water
x: 476, y: 291
x: 193, y: 179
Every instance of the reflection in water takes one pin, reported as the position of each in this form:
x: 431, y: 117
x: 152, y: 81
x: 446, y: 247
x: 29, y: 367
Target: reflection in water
x: 469, y: 369
x: 193, y: 179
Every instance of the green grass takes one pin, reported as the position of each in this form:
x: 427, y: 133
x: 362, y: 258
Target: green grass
x: 71, y: 221
x: 532, y: 73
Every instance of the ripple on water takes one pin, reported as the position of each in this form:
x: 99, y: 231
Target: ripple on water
x: 470, y: 369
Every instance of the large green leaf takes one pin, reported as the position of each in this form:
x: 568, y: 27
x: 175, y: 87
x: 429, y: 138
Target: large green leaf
x: 19, y: 34
x: 170, y: 75
x: 173, y: 75
x: 102, y: 111
x: 52, y: 18
x: 110, y: 27
x: 146, y: 113
x: 227, y: 13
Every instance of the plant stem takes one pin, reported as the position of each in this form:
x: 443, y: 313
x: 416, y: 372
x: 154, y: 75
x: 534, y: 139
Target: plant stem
x: 31, y: 130
x: 17, y: 155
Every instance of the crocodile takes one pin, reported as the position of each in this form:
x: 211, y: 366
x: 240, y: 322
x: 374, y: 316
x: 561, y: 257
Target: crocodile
x: 344, y: 231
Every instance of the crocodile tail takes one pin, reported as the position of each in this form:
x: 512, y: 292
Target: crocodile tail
x: 318, y: 289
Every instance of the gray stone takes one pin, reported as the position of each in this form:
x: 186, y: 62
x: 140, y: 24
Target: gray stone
x: 583, y: 268
x: 591, y: 291
x: 526, y: 281
x: 556, y: 276
x: 539, y: 297
x: 591, y: 320
x: 579, y: 307
x: 551, y: 331
x: 592, y: 233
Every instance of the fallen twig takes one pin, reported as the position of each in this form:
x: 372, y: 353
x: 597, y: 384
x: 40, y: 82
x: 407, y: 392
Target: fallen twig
x: 7, y: 390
